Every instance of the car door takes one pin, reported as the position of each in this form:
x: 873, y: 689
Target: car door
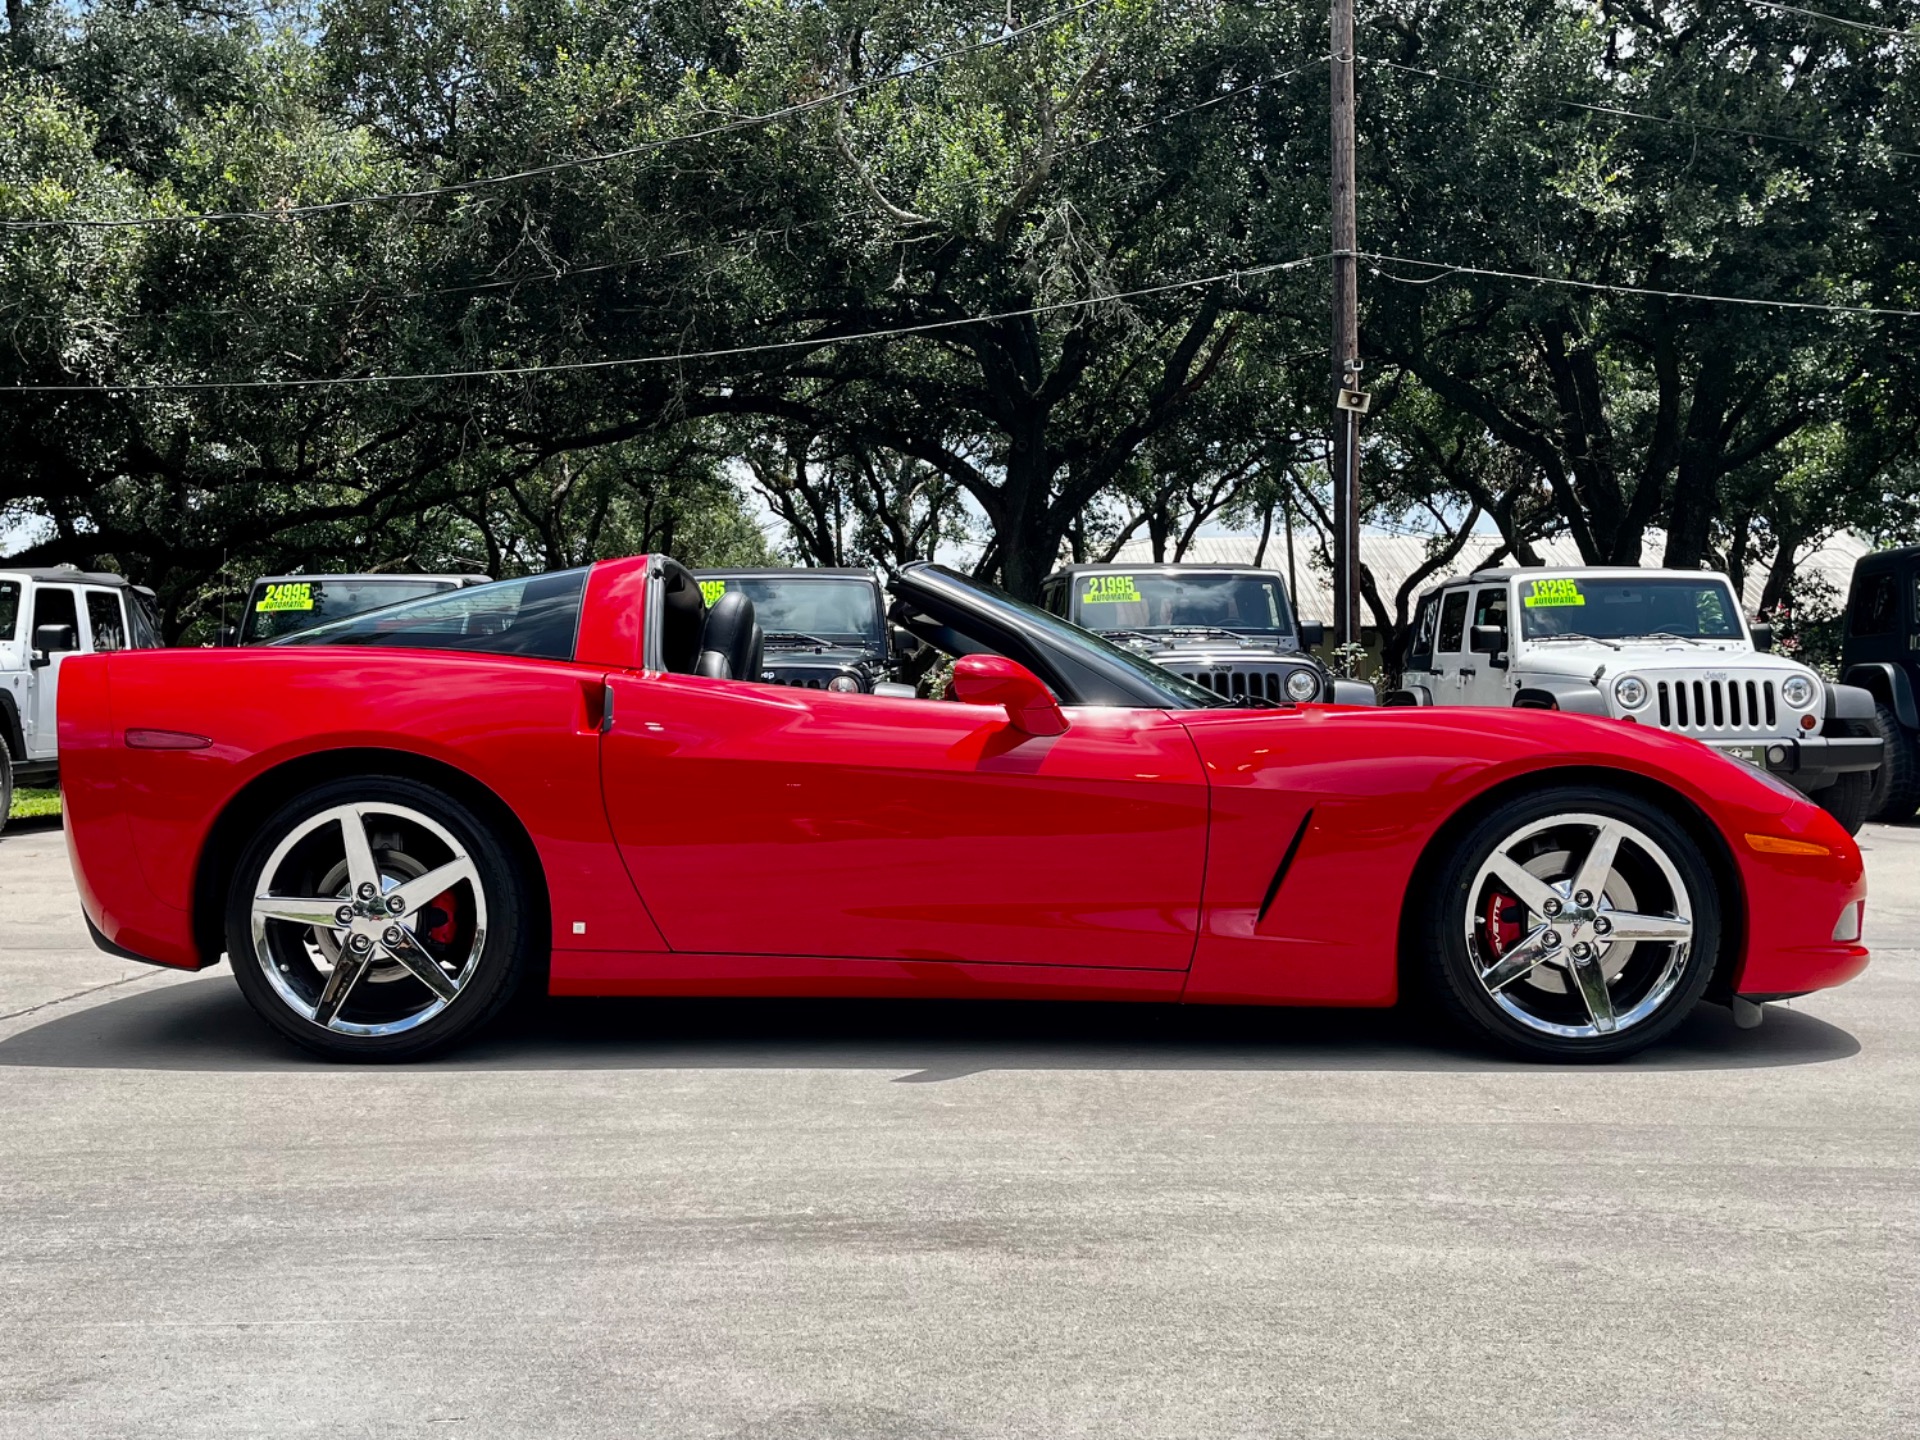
x: 1483, y: 682
x: 1451, y: 659
x: 52, y: 605
x: 765, y: 820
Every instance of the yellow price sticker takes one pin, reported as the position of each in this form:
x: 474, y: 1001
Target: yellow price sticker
x: 290, y: 596
x: 712, y: 590
x: 1110, y: 590
x: 1548, y: 593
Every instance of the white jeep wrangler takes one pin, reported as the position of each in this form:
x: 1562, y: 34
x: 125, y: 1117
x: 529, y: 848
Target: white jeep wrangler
x: 1650, y: 647
x: 45, y: 616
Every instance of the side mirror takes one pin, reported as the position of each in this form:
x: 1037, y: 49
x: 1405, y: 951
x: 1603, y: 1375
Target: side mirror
x: 1312, y: 636
x: 903, y: 640
x: 995, y: 680
x: 51, y: 640
x: 1488, y: 640
x: 228, y: 636
x: 1763, y: 637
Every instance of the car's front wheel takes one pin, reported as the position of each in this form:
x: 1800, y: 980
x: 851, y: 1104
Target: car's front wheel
x: 378, y: 919
x: 1575, y: 924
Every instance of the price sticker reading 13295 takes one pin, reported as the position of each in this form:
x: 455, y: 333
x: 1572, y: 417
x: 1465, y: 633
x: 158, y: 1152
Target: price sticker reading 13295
x: 1554, y: 592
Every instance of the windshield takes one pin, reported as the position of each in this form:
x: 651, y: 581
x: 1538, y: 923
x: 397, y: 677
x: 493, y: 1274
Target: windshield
x: 537, y: 616
x: 1150, y: 600
x: 1629, y: 608
x: 1185, y: 693
x: 843, y: 609
x: 278, y: 608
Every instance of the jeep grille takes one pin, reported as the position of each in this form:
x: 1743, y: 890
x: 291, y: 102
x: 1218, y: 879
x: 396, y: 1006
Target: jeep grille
x: 1237, y: 682
x: 1718, y: 707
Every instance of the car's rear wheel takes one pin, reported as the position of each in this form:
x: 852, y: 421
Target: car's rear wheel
x: 378, y: 919
x: 6, y: 780
x: 1576, y: 924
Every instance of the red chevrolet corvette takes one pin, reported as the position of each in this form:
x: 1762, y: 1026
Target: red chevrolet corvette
x: 395, y: 823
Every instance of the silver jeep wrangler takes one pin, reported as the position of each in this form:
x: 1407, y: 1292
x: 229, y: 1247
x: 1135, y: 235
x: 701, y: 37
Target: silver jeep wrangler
x: 46, y: 616
x: 1648, y: 647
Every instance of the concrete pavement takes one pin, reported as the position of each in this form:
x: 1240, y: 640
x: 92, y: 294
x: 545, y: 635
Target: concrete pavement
x: 862, y: 1221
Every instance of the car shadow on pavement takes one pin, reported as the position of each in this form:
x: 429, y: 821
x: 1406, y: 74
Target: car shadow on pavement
x: 204, y: 1025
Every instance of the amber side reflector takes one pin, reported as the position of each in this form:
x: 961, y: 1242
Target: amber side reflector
x: 1781, y: 845
x: 165, y: 740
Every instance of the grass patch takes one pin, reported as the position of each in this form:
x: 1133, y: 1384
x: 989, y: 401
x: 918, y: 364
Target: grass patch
x: 31, y: 804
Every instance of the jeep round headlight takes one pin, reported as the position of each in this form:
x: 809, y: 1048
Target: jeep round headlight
x: 1630, y: 691
x: 843, y: 684
x: 1302, y: 686
x: 1797, y: 691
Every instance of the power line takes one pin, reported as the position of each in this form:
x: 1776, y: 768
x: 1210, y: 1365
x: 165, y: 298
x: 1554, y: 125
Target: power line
x: 1832, y: 19
x: 743, y: 122
x: 1451, y: 269
x: 1628, y: 114
x: 687, y: 357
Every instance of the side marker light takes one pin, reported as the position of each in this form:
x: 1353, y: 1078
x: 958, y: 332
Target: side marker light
x: 1781, y: 845
x: 165, y: 740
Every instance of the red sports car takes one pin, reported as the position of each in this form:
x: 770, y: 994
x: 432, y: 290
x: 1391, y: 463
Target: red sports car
x: 396, y: 823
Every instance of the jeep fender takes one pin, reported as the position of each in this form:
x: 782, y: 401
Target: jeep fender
x: 1569, y: 695
x: 1888, y: 684
x: 1412, y: 695
x: 1354, y: 692
x: 10, y: 728
x: 1849, y: 702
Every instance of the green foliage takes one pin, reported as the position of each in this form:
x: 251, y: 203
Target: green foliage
x: 34, y: 804
x: 1011, y: 216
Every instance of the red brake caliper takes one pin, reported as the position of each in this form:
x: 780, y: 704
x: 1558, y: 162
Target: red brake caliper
x: 1503, y: 918
x: 443, y: 932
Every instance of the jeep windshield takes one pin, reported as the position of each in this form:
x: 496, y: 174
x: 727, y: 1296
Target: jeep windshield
x: 1584, y: 607
x: 287, y: 606
x: 1154, y: 602
x: 803, y: 609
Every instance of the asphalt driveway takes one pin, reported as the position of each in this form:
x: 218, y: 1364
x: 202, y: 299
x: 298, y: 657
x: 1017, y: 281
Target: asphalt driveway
x: 859, y: 1221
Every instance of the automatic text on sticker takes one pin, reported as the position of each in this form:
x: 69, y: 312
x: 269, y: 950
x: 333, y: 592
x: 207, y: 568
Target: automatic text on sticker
x: 712, y: 590
x: 1110, y: 590
x: 291, y: 596
x: 1554, y: 592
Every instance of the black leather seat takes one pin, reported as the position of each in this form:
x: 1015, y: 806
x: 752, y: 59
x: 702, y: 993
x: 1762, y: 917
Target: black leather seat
x: 731, y: 646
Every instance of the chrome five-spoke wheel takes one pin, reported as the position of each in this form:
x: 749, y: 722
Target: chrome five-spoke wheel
x: 380, y: 913
x: 376, y: 925
x: 1579, y: 923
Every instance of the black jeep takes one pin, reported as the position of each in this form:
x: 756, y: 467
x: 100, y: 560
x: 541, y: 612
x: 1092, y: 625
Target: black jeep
x: 1881, y: 654
x: 1227, y: 627
x: 825, y: 629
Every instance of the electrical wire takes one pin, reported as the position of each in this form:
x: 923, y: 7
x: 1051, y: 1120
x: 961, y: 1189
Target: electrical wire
x: 813, y: 342
x: 1625, y: 113
x: 1832, y: 19
x: 1452, y: 269
x: 458, y: 187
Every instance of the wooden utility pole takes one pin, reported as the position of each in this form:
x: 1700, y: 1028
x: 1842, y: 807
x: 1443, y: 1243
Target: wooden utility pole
x: 1346, y: 340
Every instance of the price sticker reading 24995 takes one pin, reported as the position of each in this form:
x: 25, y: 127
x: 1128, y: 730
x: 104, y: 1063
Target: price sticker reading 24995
x: 1554, y: 592
x: 292, y: 595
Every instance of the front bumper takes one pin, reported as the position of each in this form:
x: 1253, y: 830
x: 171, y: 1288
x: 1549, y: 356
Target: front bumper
x: 1813, y: 763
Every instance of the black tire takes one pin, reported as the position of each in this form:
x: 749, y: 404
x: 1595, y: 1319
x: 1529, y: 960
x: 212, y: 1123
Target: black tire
x: 6, y: 779
x: 1658, y: 988
x: 483, y: 960
x: 1849, y: 799
x: 1896, y: 791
